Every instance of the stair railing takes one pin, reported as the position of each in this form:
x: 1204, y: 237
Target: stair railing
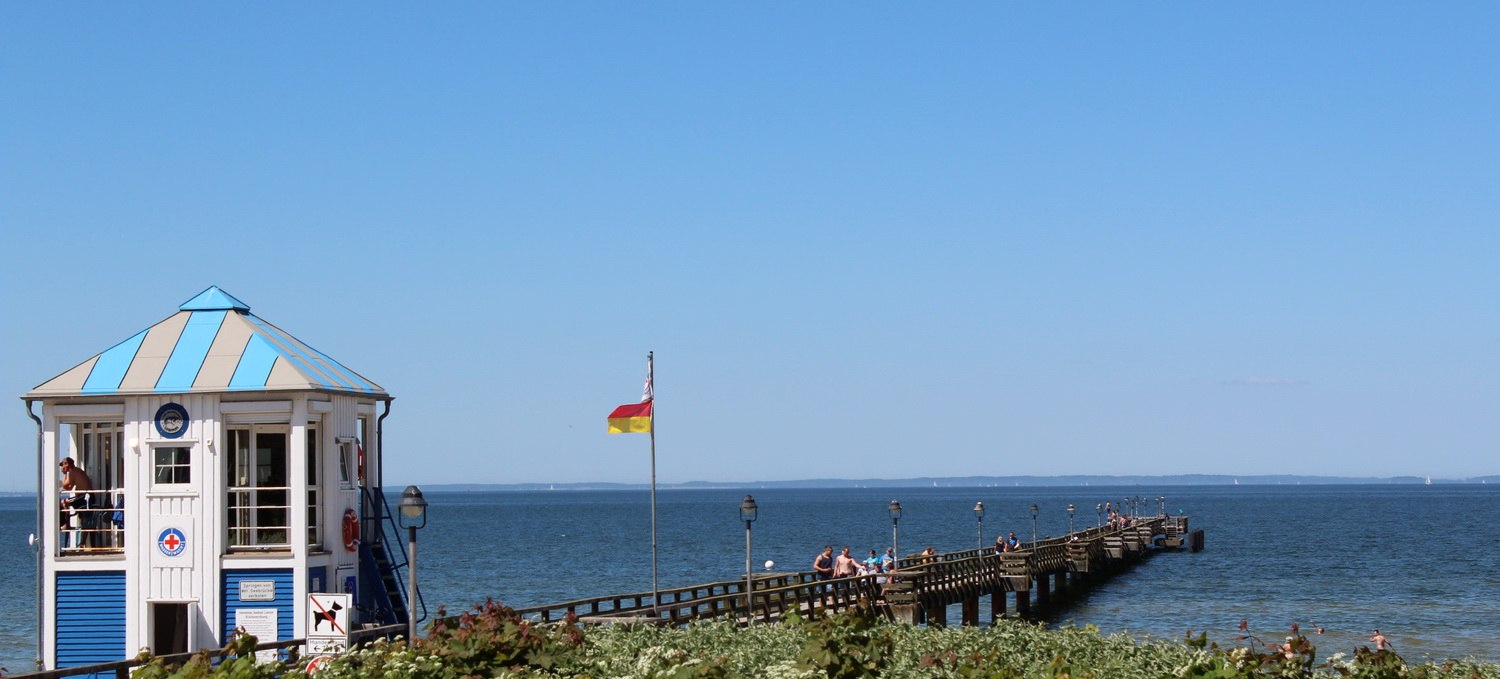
x: 388, y: 534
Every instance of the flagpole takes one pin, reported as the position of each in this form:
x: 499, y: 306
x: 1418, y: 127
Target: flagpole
x: 655, y: 589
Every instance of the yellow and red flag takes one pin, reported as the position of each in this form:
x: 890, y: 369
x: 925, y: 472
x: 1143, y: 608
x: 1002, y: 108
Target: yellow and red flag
x: 631, y: 418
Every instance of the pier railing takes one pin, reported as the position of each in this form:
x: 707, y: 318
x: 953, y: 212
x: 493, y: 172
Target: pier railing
x: 927, y: 582
x: 121, y: 668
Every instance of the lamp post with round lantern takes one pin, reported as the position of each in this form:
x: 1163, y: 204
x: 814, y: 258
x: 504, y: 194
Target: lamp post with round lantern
x: 1033, y: 526
x: 413, y: 509
x: 748, y: 510
x: 1070, y: 518
x: 979, y: 514
x: 895, y: 510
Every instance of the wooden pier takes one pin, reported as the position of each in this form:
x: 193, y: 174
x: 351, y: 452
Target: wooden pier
x: 921, y: 588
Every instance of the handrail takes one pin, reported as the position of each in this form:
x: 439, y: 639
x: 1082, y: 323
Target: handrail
x: 93, y: 528
x: 121, y: 668
x: 242, y: 499
x: 385, y: 520
x: 921, y: 576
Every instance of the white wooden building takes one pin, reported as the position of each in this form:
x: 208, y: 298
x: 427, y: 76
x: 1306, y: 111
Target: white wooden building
x: 234, y: 469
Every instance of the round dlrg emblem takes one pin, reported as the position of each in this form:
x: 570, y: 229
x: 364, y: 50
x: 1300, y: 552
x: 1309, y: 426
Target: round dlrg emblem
x: 171, y: 420
x: 171, y: 542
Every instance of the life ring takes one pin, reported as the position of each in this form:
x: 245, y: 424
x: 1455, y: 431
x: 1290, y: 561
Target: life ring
x: 351, y: 530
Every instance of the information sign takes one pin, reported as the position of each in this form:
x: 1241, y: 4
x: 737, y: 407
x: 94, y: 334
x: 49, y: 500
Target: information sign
x: 261, y: 624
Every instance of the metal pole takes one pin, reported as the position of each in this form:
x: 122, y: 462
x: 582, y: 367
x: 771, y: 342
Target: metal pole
x: 981, y: 533
x: 895, y: 541
x: 41, y: 514
x: 655, y: 589
x: 411, y: 585
x: 749, y: 614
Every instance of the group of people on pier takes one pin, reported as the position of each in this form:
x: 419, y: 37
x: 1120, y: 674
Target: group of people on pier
x: 844, y: 565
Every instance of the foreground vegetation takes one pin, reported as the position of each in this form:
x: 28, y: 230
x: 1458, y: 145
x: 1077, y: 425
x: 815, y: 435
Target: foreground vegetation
x: 493, y: 641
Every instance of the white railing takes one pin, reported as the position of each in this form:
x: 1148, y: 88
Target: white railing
x: 314, y: 526
x: 259, y: 518
x: 91, y: 522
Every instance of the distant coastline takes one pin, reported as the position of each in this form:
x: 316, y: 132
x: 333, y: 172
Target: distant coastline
x: 984, y: 482
x: 964, y: 482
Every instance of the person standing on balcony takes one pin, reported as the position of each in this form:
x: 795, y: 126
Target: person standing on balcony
x: 77, y: 485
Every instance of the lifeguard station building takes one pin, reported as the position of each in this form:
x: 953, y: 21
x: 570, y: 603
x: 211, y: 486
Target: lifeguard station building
x: 231, y: 470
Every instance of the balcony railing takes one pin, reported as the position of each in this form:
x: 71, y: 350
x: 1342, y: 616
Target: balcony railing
x: 259, y: 518
x: 92, y: 522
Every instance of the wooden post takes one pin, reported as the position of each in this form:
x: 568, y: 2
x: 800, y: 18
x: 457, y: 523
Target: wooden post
x: 1043, y: 592
x: 937, y: 616
x: 1023, y: 604
x: 907, y: 613
x: 997, y: 604
x: 970, y: 615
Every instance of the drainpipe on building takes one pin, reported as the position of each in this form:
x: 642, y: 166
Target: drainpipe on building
x: 36, y: 544
x: 380, y: 475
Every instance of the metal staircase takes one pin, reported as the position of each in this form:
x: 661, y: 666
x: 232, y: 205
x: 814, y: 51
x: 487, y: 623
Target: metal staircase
x: 382, y: 566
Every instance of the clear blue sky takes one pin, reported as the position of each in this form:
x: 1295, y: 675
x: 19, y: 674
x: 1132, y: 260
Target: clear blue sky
x: 864, y: 240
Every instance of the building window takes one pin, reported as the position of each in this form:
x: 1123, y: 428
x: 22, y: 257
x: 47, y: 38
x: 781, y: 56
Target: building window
x: 259, y: 501
x: 260, y: 492
x: 172, y: 465
x: 92, y: 516
x: 314, y: 503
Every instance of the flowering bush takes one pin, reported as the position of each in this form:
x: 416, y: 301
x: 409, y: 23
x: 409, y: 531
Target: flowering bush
x: 492, y: 641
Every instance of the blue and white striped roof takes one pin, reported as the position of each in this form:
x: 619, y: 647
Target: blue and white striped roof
x: 212, y: 344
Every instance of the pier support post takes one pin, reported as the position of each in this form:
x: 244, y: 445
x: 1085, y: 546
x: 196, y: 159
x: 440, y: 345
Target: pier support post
x: 937, y: 616
x: 1060, y: 582
x: 908, y: 613
x: 997, y: 604
x: 1023, y: 604
x: 1043, y: 591
x: 970, y: 615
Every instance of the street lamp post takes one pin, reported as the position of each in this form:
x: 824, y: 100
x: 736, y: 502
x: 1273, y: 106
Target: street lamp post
x: 1099, y: 514
x: 413, y: 516
x: 1161, y: 505
x: 1070, y: 518
x: 895, y: 535
x: 1033, y: 526
x: 748, y: 511
x: 979, y: 514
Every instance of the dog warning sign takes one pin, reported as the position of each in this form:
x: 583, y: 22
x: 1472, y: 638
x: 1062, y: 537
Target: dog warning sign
x: 327, y: 623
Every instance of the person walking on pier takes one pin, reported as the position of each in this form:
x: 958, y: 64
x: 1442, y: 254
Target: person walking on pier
x: 823, y: 563
x: 845, y: 566
x: 823, y: 567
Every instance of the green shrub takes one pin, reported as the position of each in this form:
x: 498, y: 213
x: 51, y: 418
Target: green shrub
x: 492, y: 641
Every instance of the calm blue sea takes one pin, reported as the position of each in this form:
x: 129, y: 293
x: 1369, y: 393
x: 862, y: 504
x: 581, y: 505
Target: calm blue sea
x: 1418, y: 562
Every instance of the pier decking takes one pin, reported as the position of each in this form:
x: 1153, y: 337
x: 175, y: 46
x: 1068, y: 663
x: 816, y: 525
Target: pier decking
x: 919, y: 590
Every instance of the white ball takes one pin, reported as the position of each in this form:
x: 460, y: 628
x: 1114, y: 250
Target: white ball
x: 770, y: 564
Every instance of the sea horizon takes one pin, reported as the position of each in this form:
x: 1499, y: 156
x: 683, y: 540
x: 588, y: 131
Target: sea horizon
x: 1024, y: 481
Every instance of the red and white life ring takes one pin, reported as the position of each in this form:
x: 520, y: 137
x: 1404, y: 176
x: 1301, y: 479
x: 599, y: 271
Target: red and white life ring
x: 351, y: 530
